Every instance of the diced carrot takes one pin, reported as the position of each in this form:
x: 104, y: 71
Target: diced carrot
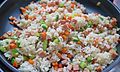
x: 66, y: 33
x: 70, y: 26
x: 60, y: 65
x: 43, y: 34
x: 55, y: 64
x: 43, y: 5
x: 13, y: 46
x: 69, y: 55
x: 64, y: 37
x: 64, y: 17
x: 99, y: 69
x: 30, y: 17
x: 113, y: 53
x: 59, y: 55
x: 64, y: 50
x: 96, y: 41
x: 23, y: 9
x: 79, y: 42
x: 15, y: 64
x: 56, y: 68
x: 72, y: 5
x: 69, y: 18
x: 31, y: 61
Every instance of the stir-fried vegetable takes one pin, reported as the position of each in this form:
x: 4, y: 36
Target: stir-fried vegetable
x: 25, y: 58
x: 64, y: 50
x: 3, y: 49
x: 57, y: 18
x: 42, y: 22
x: 75, y: 39
x: 31, y: 61
x: 37, y: 34
x: 15, y: 52
x: 56, y: 41
x: 89, y: 59
x: 13, y: 46
x: 14, y: 62
x: 61, y: 5
x: 18, y: 44
x: 32, y: 56
x: 89, y: 25
x: 83, y: 64
x: 44, y: 45
x: 44, y: 26
x: 43, y: 35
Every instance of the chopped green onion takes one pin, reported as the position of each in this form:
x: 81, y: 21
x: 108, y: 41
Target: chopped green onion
x: 37, y: 34
x: 89, y: 59
x: 25, y: 58
x: 12, y: 60
x: 42, y: 22
x: 15, y: 52
x: 18, y: 44
x: 75, y: 39
x: 61, y: 5
x: 89, y: 25
x: 56, y: 41
x: 44, y: 26
x: 82, y: 29
x: 57, y: 17
x: 44, y: 45
x: 32, y: 56
x: 83, y: 64
x: 101, y: 18
x: 2, y: 49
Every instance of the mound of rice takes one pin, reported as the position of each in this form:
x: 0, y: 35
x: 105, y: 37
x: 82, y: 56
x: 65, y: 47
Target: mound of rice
x: 58, y: 36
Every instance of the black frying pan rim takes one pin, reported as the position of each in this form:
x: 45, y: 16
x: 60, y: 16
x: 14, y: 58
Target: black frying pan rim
x: 7, y: 64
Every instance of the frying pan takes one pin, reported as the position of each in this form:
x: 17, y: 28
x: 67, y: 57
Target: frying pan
x: 11, y: 7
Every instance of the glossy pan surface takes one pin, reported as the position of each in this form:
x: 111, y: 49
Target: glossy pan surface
x: 11, y: 7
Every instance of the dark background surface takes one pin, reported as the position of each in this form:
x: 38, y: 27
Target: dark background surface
x: 2, y: 66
